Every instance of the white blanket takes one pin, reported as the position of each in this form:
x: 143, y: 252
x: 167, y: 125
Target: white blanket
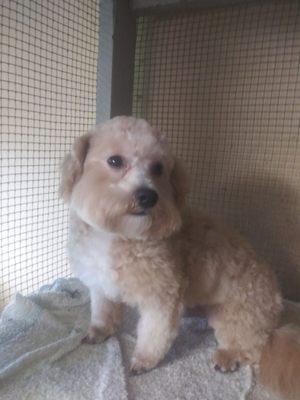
x: 41, y: 356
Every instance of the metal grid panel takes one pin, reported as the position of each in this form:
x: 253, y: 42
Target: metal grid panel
x: 224, y: 85
x: 49, y: 52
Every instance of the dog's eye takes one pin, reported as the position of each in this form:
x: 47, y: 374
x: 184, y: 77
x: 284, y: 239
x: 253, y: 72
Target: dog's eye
x: 156, y: 169
x: 115, y: 161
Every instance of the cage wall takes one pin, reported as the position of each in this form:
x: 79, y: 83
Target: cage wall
x: 49, y: 51
x: 223, y: 84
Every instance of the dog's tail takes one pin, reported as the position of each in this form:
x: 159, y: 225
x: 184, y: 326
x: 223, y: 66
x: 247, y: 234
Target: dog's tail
x: 280, y: 363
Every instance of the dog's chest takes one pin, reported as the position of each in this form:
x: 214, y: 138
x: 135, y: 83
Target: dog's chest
x: 145, y: 270
x: 90, y: 256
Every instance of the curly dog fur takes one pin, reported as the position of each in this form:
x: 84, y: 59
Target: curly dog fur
x: 147, y: 250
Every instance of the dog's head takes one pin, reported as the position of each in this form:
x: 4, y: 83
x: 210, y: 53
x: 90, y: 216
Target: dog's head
x: 122, y: 177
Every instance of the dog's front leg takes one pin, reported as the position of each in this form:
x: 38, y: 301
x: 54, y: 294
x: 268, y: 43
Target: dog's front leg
x: 105, y: 317
x: 157, y: 328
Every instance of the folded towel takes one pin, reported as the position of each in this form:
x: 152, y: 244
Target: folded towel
x: 41, y: 356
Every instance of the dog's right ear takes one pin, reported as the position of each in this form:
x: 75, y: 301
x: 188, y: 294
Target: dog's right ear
x: 72, y: 166
x: 180, y: 184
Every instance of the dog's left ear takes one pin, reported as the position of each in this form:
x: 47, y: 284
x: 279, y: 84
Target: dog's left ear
x: 180, y: 184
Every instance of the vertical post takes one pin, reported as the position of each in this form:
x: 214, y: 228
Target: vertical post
x: 117, y: 35
x: 104, y: 67
x: 123, y: 59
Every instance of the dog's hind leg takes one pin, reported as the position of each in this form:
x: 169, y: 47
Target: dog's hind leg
x: 105, y: 317
x: 240, y: 336
x: 157, y: 329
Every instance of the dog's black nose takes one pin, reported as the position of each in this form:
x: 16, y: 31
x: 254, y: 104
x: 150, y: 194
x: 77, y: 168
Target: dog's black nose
x: 146, y: 198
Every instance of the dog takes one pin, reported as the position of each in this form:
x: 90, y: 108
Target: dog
x: 134, y: 241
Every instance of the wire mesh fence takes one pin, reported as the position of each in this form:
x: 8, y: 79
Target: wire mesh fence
x: 224, y: 85
x: 49, y: 51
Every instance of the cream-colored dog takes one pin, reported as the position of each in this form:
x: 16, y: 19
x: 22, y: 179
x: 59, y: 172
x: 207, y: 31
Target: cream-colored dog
x: 131, y: 242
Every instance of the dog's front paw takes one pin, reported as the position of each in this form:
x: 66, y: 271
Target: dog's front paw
x: 95, y: 335
x: 141, y: 364
x: 225, y: 361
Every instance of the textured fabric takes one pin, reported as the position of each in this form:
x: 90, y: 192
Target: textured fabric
x: 38, y: 338
x: 41, y: 356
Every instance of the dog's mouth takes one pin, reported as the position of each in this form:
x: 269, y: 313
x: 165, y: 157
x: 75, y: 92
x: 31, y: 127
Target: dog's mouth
x: 139, y: 213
